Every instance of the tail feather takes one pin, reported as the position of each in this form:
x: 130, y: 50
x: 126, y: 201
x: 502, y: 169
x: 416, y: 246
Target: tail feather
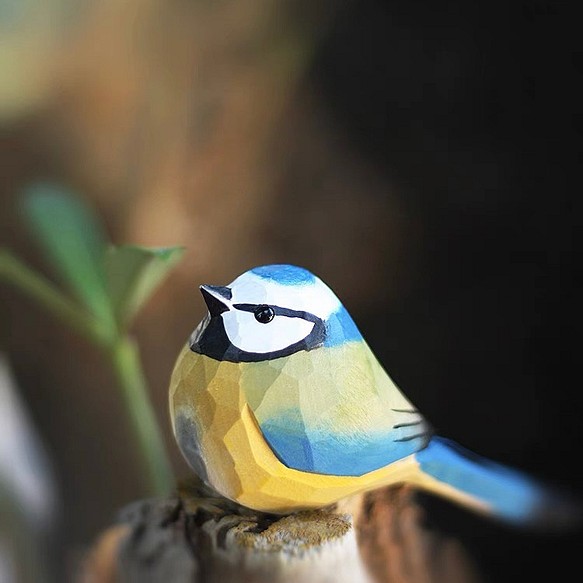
x: 445, y: 468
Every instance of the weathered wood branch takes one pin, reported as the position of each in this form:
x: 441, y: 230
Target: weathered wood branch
x: 195, y: 537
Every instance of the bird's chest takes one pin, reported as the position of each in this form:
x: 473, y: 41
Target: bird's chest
x: 208, y: 391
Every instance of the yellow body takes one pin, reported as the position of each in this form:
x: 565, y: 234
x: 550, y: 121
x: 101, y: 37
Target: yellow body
x: 212, y: 411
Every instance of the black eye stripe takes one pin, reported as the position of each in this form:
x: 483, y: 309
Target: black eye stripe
x: 214, y: 342
x: 278, y: 311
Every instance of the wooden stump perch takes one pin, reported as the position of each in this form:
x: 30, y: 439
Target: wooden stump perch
x: 194, y: 537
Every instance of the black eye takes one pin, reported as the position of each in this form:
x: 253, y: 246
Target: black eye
x: 264, y: 314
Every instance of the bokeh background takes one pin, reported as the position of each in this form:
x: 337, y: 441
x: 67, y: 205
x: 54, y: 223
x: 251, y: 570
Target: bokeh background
x: 423, y: 158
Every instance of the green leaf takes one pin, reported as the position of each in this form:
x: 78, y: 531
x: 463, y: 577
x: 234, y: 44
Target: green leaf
x: 74, y: 243
x: 40, y: 289
x: 134, y: 273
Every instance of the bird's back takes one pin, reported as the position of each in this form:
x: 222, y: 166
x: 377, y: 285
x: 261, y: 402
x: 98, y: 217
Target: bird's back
x: 333, y: 411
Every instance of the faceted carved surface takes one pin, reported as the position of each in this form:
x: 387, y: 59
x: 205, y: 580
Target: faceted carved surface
x: 218, y: 409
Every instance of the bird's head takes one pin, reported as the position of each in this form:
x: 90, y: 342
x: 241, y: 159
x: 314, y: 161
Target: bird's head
x: 270, y: 312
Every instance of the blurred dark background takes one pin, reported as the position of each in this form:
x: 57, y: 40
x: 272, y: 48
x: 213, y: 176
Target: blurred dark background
x: 423, y: 158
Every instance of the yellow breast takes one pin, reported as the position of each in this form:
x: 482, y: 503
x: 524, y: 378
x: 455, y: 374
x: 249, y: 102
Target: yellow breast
x: 218, y: 434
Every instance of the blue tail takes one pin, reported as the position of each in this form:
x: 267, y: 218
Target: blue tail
x: 503, y: 493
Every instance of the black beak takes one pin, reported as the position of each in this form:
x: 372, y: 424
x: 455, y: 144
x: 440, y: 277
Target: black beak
x: 215, y: 297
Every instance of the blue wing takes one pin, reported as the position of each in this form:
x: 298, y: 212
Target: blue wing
x: 340, y: 453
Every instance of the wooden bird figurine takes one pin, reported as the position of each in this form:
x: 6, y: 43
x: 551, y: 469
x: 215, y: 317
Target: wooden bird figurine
x: 278, y: 403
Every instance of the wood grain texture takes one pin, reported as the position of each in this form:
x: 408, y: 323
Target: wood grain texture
x: 380, y: 537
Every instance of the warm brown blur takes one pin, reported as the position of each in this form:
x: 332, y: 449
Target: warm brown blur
x: 184, y: 124
x: 395, y: 151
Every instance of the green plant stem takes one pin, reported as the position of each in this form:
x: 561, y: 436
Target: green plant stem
x: 125, y: 360
x: 124, y: 357
x: 40, y: 289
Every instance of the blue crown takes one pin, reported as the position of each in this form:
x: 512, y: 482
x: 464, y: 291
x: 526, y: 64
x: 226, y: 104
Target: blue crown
x: 285, y: 274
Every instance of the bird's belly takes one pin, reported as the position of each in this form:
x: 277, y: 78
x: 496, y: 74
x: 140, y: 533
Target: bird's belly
x: 219, y: 436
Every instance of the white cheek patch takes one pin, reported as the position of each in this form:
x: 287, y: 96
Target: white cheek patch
x: 249, y: 335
